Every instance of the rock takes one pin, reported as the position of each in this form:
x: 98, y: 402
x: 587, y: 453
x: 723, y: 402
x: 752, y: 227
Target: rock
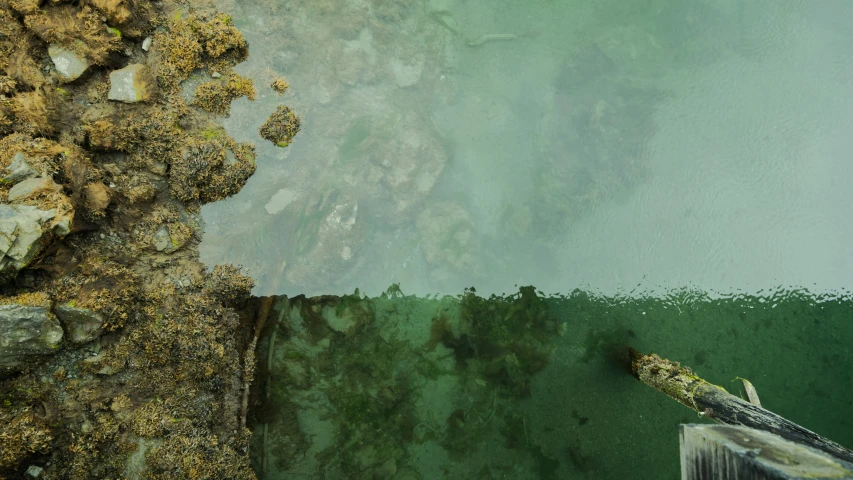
x: 34, y: 471
x: 280, y: 200
x: 338, y: 237
x: 146, y: 44
x: 97, y: 197
x: 21, y: 230
x: 31, y: 186
x: 81, y: 324
x: 27, y: 330
x: 406, y: 75
x: 131, y: 84
x: 68, y: 64
x: 19, y: 169
x: 165, y: 242
x: 216, y: 75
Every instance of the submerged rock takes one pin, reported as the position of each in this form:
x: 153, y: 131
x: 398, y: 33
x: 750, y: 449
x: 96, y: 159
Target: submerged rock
x: 21, y: 230
x: 19, y: 169
x: 81, y: 324
x: 27, y: 330
x: 68, y: 64
x: 131, y: 84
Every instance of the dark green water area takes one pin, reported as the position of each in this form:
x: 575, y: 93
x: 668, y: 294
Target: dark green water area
x: 528, y: 386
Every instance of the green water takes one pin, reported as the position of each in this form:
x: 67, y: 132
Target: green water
x: 529, y: 387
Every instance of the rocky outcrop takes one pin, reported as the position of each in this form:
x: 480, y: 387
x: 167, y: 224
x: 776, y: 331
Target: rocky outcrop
x: 21, y: 236
x: 81, y: 324
x: 131, y: 84
x: 27, y: 330
x: 19, y: 169
x: 68, y: 64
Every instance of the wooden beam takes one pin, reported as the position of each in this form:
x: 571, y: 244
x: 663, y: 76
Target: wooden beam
x: 714, y: 402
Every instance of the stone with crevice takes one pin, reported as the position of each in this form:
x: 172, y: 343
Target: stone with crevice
x: 19, y: 169
x: 81, y: 324
x: 21, y: 231
x: 131, y: 84
x: 68, y: 64
x: 26, y: 331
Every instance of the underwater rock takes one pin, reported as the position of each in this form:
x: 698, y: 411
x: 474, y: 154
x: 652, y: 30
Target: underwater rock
x: 406, y: 75
x: 19, y: 169
x: 32, y: 186
x: 392, y: 154
x: 81, y: 324
x: 21, y: 230
x: 447, y: 233
x: 68, y: 64
x: 27, y: 330
x: 131, y: 84
x: 146, y: 44
x: 334, y: 241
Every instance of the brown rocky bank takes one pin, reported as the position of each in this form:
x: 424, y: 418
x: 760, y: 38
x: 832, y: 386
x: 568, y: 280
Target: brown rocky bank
x: 120, y: 356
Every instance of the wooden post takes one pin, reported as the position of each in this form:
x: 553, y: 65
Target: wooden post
x: 714, y: 402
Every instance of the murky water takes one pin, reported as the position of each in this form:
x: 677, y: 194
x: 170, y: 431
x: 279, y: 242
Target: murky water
x: 456, y: 143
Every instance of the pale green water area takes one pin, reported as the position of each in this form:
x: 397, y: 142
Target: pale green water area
x: 631, y: 149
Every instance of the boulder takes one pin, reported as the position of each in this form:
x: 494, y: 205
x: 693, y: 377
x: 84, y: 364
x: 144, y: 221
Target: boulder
x: 81, y: 324
x: 131, y: 84
x: 30, y: 186
x: 21, y: 230
x: 27, y: 330
x: 19, y: 169
x: 68, y: 64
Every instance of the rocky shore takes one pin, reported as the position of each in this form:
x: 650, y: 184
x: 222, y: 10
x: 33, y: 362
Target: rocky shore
x: 120, y: 355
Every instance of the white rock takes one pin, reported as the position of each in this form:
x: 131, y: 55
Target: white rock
x: 404, y: 74
x: 19, y: 169
x: 69, y: 65
x: 31, y: 185
x: 279, y: 201
x: 146, y: 44
x: 130, y: 84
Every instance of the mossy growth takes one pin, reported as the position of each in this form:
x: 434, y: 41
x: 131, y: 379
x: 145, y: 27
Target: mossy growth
x: 35, y: 112
x: 194, y: 458
x: 78, y: 29
x: 229, y: 285
x: 104, y: 287
x: 215, y: 96
x: 193, y: 42
x: 281, y: 126
x: 22, y: 434
x: 210, y: 170
x: 279, y: 85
